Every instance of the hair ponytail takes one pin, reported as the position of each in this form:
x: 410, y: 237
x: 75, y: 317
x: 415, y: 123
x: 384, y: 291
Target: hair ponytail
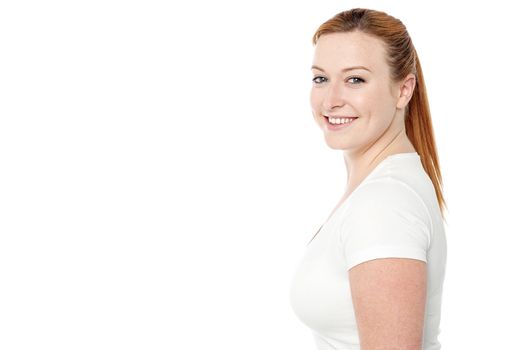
x: 419, y: 130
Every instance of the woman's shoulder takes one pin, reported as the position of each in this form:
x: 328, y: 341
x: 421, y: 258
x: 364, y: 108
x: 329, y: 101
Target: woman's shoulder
x: 386, y: 191
x: 399, y: 183
x: 399, y: 177
x: 395, y: 192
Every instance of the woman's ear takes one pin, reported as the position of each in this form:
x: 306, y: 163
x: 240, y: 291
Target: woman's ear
x: 406, y: 91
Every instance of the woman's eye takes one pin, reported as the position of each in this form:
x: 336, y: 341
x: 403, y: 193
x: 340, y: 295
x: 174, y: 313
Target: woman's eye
x: 355, y: 80
x: 318, y: 80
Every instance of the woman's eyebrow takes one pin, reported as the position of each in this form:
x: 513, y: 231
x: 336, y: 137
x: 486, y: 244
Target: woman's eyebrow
x: 345, y: 69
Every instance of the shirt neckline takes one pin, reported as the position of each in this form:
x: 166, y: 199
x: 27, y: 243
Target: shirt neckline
x: 375, y: 169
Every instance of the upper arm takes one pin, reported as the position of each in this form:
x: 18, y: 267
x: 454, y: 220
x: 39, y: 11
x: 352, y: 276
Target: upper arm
x: 389, y: 297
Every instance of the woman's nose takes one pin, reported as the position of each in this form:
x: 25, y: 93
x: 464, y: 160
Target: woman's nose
x: 333, y: 97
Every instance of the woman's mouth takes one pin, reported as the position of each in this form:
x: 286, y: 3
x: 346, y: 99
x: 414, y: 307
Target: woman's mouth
x: 338, y: 123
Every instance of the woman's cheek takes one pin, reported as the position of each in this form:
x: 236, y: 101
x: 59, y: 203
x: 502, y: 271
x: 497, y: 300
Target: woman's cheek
x: 315, y: 100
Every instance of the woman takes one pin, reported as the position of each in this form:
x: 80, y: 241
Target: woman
x: 372, y: 275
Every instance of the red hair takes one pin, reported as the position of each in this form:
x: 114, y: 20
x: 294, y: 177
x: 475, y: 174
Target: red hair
x: 403, y: 60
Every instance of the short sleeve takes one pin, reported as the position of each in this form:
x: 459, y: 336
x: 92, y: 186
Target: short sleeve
x: 385, y: 219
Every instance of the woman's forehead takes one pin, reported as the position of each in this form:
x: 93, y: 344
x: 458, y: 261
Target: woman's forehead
x: 336, y: 51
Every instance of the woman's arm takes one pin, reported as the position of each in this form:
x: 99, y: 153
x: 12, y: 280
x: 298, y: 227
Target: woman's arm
x: 389, y: 298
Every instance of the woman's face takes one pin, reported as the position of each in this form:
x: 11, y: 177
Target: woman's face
x: 351, y: 79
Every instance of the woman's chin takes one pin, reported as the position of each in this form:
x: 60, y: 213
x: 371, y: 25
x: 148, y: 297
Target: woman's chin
x: 338, y: 144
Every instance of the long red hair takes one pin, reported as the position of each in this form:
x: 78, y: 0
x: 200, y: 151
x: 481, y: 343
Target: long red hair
x: 402, y: 59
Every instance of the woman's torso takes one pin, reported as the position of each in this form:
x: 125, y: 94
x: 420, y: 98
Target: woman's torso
x: 320, y: 290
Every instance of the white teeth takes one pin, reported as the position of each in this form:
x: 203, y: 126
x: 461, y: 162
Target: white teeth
x: 340, y: 120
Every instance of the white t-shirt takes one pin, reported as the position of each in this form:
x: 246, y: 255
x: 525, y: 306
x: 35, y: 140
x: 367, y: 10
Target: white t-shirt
x: 393, y: 213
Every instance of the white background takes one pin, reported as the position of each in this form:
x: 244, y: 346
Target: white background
x: 161, y: 173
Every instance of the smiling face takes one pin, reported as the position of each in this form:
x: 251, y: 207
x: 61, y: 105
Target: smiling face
x: 351, y: 78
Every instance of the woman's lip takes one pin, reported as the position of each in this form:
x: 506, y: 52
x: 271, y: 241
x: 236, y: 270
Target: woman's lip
x: 336, y: 127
